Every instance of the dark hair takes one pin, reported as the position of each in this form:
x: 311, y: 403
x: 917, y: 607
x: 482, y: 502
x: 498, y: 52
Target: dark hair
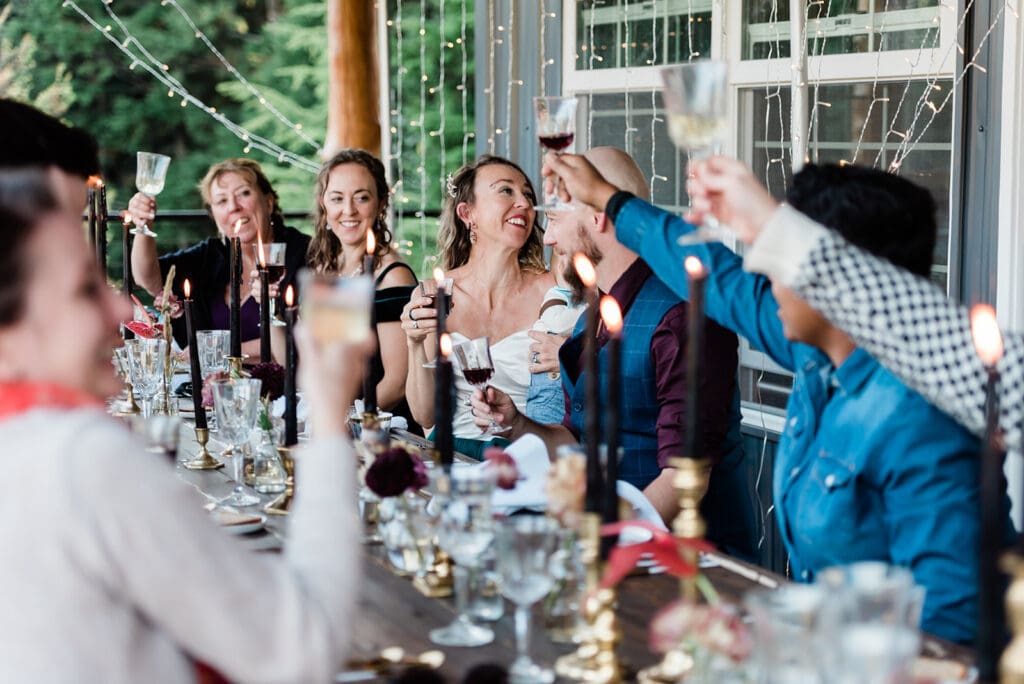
x: 251, y: 171
x: 453, y: 240
x: 887, y: 215
x: 25, y: 195
x: 325, y: 247
x: 32, y: 138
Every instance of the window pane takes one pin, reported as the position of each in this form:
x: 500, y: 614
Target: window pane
x: 612, y: 34
x: 841, y: 27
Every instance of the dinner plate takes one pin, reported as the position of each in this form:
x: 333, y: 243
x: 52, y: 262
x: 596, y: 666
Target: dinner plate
x: 238, y: 523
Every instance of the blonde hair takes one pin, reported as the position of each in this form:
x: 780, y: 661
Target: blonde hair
x: 325, y: 247
x: 252, y: 172
x: 453, y: 239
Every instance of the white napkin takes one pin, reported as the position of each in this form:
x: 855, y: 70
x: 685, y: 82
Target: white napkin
x: 301, y: 409
x: 531, y: 457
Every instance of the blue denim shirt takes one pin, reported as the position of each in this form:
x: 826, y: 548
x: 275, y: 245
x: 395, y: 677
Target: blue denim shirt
x: 866, y: 469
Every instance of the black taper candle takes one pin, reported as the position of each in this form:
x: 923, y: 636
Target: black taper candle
x: 101, y: 231
x: 193, y: 358
x: 264, y: 315
x: 444, y: 402
x: 594, y: 499
x: 291, y: 430
x: 696, y: 279
x: 370, y: 379
x: 612, y: 317
x: 90, y: 198
x: 236, y: 298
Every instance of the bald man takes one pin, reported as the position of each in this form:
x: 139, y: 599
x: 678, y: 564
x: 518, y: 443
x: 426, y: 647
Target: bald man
x: 654, y: 372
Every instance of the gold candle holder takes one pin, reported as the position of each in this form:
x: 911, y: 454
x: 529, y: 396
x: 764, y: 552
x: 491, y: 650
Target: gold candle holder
x: 691, y: 482
x: 235, y: 366
x: 282, y: 503
x: 203, y: 460
x: 595, y: 660
x: 439, y: 580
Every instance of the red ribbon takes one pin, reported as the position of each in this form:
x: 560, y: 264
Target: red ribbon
x: 665, y: 549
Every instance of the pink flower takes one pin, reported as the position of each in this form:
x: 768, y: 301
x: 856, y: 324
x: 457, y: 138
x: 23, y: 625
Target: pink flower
x: 503, y: 466
x: 208, y: 390
x: 396, y: 471
x: 717, y: 628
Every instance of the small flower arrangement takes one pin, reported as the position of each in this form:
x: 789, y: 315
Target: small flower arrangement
x: 565, y: 489
x: 271, y: 377
x: 396, y: 471
x: 503, y: 466
x: 208, y: 387
x: 715, y: 627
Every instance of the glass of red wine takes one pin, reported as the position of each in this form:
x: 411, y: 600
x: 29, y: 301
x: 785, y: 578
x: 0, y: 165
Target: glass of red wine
x: 276, y: 269
x: 474, y: 357
x: 556, y: 129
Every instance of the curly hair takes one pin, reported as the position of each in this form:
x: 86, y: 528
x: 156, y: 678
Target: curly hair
x: 252, y: 172
x: 325, y: 247
x: 453, y: 239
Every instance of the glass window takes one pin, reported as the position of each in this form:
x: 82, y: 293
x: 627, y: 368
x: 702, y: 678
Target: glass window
x: 612, y: 34
x: 841, y: 27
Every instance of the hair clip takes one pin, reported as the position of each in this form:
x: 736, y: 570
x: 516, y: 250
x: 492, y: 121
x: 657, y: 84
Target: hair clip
x: 450, y: 185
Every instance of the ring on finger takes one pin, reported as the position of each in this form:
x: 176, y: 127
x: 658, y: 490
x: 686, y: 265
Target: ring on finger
x: 411, y: 317
x: 535, y: 358
x: 415, y: 323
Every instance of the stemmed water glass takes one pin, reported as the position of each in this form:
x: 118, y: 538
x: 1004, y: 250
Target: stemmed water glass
x: 556, y: 129
x: 150, y: 174
x: 275, y: 266
x: 525, y: 544
x: 474, y: 357
x: 146, y: 364
x: 214, y: 346
x: 696, y: 107
x: 465, y: 531
x: 235, y: 402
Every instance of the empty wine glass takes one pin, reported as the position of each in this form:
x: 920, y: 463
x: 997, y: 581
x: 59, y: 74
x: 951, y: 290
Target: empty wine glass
x: 146, y: 363
x: 150, y: 174
x: 556, y: 129
x: 525, y: 544
x: 474, y: 357
x: 464, y: 533
x: 214, y: 346
x: 235, y: 401
x: 696, y: 108
x: 275, y: 252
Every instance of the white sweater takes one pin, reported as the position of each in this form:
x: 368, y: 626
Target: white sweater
x: 112, y: 572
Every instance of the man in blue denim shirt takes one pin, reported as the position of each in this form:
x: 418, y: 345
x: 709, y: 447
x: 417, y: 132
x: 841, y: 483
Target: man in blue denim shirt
x: 866, y: 469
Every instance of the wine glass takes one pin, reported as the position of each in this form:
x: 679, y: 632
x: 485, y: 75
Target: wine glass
x: 214, y: 346
x: 525, y: 544
x: 336, y: 309
x: 429, y: 290
x: 465, y: 531
x: 474, y: 358
x: 146, y: 364
x: 696, y: 107
x: 235, y: 401
x: 150, y: 173
x: 275, y: 268
x: 556, y: 129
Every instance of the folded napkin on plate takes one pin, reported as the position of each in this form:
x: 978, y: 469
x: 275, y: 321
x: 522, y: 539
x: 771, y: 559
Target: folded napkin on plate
x: 301, y: 410
x: 531, y: 457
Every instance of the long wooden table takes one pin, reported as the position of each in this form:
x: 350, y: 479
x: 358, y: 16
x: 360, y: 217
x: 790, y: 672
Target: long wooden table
x: 392, y: 613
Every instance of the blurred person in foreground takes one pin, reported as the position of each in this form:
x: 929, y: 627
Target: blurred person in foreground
x: 114, y: 572
x: 866, y: 468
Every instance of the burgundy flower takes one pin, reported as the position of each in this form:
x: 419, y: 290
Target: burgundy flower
x: 503, y: 466
x: 271, y: 376
x: 396, y: 471
x: 208, y: 389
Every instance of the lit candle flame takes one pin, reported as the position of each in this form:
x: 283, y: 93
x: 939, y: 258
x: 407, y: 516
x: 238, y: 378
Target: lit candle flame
x: 371, y: 242
x: 694, y: 267
x: 259, y: 246
x: 611, y: 314
x: 438, y: 274
x: 126, y: 217
x: 289, y: 296
x: 584, y: 269
x: 94, y: 182
x: 238, y: 226
x: 988, y: 341
x: 446, y: 345
x: 188, y: 289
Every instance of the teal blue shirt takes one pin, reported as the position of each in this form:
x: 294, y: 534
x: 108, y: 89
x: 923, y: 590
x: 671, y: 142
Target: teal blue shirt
x: 866, y: 469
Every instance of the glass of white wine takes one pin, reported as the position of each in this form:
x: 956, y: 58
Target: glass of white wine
x: 696, y: 108
x: 336, y: 309
x: 150, y: 173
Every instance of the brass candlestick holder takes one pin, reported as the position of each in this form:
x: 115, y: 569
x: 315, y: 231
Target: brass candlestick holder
x: 691, y: 482
x: 235, y: 366
x: 282, y: 503
x: 595, y: 660
x: 203, y: 460
x: 1011, y: 664
x: 438, y: 582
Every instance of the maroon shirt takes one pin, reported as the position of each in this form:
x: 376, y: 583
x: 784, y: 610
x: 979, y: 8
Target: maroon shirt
x: 668, y: 355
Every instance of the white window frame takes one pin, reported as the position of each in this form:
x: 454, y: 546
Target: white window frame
x: 890, y: 66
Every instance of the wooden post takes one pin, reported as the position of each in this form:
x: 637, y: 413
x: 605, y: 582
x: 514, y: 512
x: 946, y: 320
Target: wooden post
x: 353, y: 118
